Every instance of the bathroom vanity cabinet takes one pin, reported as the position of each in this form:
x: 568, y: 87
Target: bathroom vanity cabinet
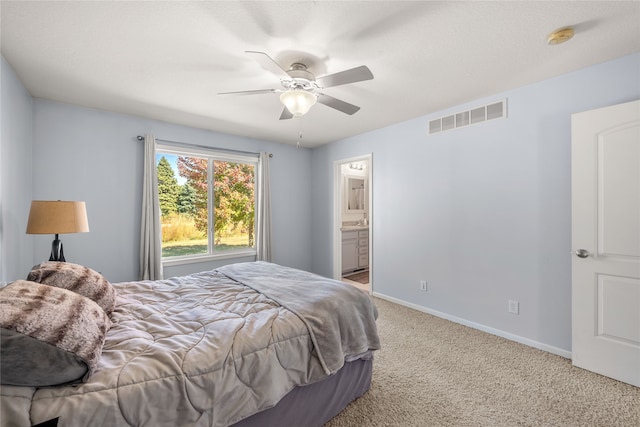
x: 355, y: 250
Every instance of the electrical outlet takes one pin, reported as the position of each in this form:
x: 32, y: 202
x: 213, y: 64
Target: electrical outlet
x: 514, y: 307
x: 423, y: 285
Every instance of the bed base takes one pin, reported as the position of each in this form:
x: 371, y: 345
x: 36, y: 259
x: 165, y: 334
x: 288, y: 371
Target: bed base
x: 317, y: 403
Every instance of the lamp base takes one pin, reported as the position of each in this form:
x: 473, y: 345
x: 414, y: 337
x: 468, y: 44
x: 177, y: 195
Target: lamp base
x: 57, y: 254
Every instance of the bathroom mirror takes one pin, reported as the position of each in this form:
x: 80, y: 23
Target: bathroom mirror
x: 355, y: 194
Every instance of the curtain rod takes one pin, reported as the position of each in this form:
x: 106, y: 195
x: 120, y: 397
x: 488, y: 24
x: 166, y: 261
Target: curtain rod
x: 228, y: 150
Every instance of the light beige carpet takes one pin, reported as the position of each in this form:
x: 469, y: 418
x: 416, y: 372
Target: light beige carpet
x: 432, y: 372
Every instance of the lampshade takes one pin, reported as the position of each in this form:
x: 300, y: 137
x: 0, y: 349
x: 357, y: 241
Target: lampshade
x: 298, y: 101
x: 57, y: 217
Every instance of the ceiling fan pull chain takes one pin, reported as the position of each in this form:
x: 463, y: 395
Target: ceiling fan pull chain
x: 299, y: 139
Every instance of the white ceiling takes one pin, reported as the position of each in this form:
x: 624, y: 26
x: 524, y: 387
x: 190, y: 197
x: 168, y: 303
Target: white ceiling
x: 168, y: 60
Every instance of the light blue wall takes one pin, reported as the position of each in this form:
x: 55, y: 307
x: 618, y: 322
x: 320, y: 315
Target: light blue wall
x: 93, y: 155
x: 483, y: 213
x: 16, y: 141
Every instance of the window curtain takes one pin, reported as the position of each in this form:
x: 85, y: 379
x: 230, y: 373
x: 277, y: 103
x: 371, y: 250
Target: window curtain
x: 150, y: 227
x: 263, y: 211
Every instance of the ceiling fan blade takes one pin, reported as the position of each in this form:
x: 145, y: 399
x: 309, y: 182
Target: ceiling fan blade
x: 249, y: 92
x: 286, y: 114
x: 269, y: 64
x: 339, y: 105
x: 353, y: 75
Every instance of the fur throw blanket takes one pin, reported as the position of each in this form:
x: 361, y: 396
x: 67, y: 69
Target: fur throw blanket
x: 50, y: 336
x: 77, y: 278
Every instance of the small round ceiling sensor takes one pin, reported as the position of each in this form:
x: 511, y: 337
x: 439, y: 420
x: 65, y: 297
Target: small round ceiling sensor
x: 560, y: 36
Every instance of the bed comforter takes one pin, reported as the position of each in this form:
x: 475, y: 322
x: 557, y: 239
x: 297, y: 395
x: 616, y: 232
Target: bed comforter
x: 200, y: 350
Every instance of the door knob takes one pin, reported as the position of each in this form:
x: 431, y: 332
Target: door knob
x: 582, y: 253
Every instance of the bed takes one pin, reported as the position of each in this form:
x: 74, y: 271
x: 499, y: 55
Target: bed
x: 248, y: 344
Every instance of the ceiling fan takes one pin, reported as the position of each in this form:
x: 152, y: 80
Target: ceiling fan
x: 301, y: 89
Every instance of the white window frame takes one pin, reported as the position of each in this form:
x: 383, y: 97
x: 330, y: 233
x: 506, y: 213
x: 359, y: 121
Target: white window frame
x: 211, y: 155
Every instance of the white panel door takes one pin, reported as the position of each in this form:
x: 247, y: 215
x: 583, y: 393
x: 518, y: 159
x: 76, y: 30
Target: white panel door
x: 605, y: 161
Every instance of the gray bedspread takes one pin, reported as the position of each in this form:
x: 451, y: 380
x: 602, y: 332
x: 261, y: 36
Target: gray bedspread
x: 203, y: 350
x: 340, y: 318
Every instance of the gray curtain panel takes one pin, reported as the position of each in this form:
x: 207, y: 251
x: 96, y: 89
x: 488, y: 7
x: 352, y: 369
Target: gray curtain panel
x: 150, y: 227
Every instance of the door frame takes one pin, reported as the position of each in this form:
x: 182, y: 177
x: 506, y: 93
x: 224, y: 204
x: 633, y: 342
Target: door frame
x: 338, y: 189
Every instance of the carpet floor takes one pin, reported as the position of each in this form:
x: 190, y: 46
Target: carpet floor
x: 433, y: 372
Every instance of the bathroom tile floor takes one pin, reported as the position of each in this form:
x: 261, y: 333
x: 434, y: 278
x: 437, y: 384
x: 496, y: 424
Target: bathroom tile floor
x: 362, y: 286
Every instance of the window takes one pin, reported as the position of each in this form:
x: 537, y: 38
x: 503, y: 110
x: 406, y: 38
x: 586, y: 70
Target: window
x: 207, y: 202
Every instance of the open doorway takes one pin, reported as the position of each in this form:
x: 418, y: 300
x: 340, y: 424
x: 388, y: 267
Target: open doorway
x: 353, y: 219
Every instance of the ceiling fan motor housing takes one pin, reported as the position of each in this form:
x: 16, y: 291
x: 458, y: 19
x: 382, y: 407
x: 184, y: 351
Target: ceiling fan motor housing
x: 299, y: 71
x: 301, y: 78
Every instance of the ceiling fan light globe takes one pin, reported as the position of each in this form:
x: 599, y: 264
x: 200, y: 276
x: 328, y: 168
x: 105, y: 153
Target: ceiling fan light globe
x: 297, y: 101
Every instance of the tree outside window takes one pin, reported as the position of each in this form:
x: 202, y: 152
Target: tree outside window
x: 185, y: 190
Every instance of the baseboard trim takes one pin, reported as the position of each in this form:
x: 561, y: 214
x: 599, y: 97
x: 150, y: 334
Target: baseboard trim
x: 512, y: 337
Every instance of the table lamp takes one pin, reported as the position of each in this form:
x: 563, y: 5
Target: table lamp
x: 57, y: 217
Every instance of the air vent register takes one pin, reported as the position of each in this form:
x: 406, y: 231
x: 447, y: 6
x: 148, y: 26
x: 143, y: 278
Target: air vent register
x: 496, y: 110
